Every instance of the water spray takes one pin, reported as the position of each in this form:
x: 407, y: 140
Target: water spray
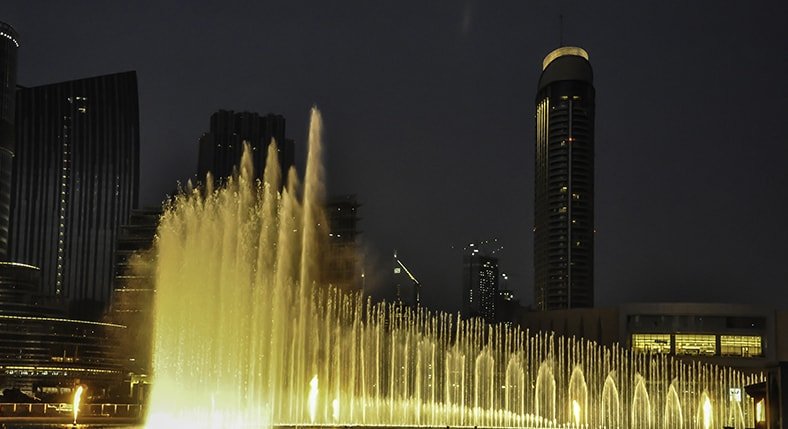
x: 77, y: 399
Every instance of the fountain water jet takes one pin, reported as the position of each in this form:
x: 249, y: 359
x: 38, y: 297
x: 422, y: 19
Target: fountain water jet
x: 610, y: 416
x: 246, y: 335
x: 673, y: 418
x: 545, y: 391
x: 77, y: 400
x: 705, y: 413
x: 736, y: 416
x: 578, y: 395
x: 641, y: 405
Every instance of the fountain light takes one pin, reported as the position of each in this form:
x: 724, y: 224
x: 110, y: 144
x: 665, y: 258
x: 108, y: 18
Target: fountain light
x: 77, y: 399
x: 759, y: 417
x: 706, y: 413
x: 576, y: 412
x: 312, y: 400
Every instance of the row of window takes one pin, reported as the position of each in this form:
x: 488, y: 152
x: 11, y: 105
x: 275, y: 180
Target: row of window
x: 699, y: 344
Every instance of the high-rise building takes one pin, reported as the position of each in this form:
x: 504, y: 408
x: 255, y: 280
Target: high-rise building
x: 479, y: 285
x: 221, y: 147
x: 564, y: 186
x: 343, y: 261
x: 132, y: 301
x: 75, y: 181
x: 9, y: 43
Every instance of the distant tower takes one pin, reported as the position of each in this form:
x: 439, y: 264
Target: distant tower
x: 479, y: 284
x: 221, y: 147
x: 343, y: 259
x: 407, y: 287
x: 9, y: 43
x: 564, y: 186
x: 76, y: 177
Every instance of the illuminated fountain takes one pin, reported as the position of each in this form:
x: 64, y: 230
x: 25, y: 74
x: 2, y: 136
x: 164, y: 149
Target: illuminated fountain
x: 77, y: 400
x: 247, y: 336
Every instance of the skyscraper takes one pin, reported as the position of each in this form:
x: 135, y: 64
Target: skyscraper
x: 75, y: 181
x: 343, y: 260
x: 221, y: 147
x: 564, y: 186
x: 9, y: 43
x: 479, y: 285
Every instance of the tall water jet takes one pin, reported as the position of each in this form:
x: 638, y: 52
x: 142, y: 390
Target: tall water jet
x: 545, y: 391
x: 77, y: 399
x: 736, y: 415
x: 673, y: 417
x: 610, y: 414
x: 641, y: 405
x: 578, y: 397
x: 515, y: 385
x: 705, y: 415
x: 484, y: 382
x: 455, y: 385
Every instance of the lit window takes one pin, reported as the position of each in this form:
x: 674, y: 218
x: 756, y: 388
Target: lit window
x: 696, y: 345
x: 740, y: 345
x: 651, y: 343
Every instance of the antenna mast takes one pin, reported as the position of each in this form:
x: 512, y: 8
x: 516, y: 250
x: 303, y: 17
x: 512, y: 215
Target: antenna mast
x: 560, y: 29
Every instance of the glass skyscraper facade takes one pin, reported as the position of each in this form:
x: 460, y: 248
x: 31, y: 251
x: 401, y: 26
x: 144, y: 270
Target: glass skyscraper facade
x: 564, y: 185
x: 9, y: 44
x: 221, y: 147
x: 480, y: 285
x: 75, y: 181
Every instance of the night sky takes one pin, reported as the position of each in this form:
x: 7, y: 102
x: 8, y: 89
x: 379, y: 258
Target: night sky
x: 429, y: 119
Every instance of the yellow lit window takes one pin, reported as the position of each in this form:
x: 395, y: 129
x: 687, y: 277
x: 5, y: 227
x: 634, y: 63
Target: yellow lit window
x: 654, y: 343
x: 696, y: 345
x: 740, y: 345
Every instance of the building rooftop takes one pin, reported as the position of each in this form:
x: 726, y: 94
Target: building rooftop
x: 7, y: 31
x: 563, y: 51
x: 567, y: 63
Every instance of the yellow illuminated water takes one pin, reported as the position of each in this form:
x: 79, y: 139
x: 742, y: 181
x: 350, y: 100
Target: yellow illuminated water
x: 246, y: 335
x: 77, y: 400
x: 706, y: 411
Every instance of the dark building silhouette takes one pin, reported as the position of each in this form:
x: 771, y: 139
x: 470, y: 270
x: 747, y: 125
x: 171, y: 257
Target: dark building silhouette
x: 479, y: 285
x: 75, y: 181
x: 564, y: 186
x: 132, y: 301
x: 343, y: 264
x: 507, y: 307
x: 221, y: 147
x: 9, y: 44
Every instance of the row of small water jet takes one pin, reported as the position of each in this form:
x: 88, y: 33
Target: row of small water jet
x: 247, y: 335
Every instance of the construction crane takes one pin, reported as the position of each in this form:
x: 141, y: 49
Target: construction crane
x: 399, y: 267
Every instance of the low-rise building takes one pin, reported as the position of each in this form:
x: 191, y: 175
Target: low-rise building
x: 737, y: 335
x: 42, y: 349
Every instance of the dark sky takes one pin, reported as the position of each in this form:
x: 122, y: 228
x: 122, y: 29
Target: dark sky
x: 429, y: 112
